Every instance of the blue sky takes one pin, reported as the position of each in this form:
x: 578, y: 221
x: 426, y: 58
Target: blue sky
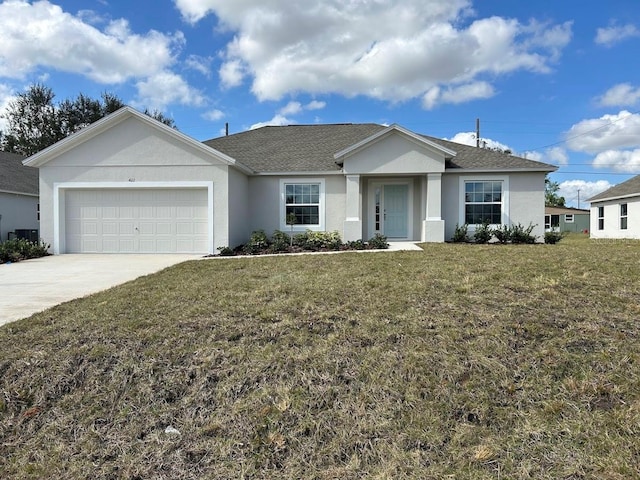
x: 551, y: 80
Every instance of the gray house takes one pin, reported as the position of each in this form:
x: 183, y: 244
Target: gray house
x: 18, y: 196
x: 128, y: 183
x: 566, y: 219
x: 615, y: 213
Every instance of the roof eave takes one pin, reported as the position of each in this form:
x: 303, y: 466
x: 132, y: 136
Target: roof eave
x: 12, y: 192
x: 614, y: 197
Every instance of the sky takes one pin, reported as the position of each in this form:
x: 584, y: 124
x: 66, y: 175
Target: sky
x: 555, y: 81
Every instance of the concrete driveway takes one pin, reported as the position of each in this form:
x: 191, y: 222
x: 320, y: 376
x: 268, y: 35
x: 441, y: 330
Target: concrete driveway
x: 34, y: 285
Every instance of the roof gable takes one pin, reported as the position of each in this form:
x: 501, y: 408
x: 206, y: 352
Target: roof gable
x: 113, y: 120
x: 630, y: 188
x: 15, y: 177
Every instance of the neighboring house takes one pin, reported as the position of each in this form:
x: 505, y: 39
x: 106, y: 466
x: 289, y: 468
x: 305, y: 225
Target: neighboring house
x: 566, y: 219
x: 18, y: 195
x: 615, y: 213
x: 128, y: 183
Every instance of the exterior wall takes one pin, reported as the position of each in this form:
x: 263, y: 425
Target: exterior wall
x: 131, y: 153
x: 394, y: 155
x: 580, y: 223
x: 525, y: 200
x: 265, y: 200
x: 17, y: 211
x: 239, y: 226
x: 612, y: 219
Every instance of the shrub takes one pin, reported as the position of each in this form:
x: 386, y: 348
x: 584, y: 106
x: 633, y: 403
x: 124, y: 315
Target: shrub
x: 357, y: 245
x: 257, y: 242
x: 22, y: 249
x: 483, y: 233
x: 280, y: 242
x: 378, y: 241
x: 553, y: 237
x: 502, y: 234
x: 460, y: 234
x: 226, y: 251
x: 315, y: 241
x: 520, y: 234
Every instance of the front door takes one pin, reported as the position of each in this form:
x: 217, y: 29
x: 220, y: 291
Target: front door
x: 391, y: 210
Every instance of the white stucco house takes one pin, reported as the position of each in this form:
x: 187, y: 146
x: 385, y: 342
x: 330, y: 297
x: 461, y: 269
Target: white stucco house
x: 128, y: 183
x: 18, y: 196
x: 615, y: 213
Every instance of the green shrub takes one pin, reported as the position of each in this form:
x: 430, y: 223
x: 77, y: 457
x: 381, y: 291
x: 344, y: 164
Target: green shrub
x: 520, y: 234
x: 502, y: 233
x: 226, y: 251
x: 357, y: 245
x: 257, y: 243
x: 460, y: 234
x: 378, y: 241
x: 280, y: 242
x: 22, y: 249
x: 315, y: 241
x: 553, y: 237
x: 483, y: 233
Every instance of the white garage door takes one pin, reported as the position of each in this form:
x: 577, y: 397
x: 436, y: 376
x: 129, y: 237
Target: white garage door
x: 136, y: 221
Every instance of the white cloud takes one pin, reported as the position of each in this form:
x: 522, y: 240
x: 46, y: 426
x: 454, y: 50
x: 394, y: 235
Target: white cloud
x: 7, y: 95
x: 291, y: 108
x: 213, y: 115
x: 627, y: 161
x: 609, y: 132
x: 613, y: 34
x: 315, y: 105
x: 621, y: 95
x: 41, y: 34
x: 277, y: 121
x: 199, y: 64
x: 455, y: 95
x: 469, y: 138
x: 569, y: 190
x: 166, y: 88
x: 352, y: 48
x: 555, y: 155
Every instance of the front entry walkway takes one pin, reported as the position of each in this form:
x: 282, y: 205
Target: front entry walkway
x: 398, y: 246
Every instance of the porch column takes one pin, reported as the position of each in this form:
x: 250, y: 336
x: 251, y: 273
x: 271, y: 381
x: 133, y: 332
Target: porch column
x: 433, y: 224
x: 353, y: 219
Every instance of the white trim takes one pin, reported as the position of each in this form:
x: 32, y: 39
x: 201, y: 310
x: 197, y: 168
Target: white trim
x: 566, y: 218
x: 618, y: 197
x: 59, y: 202
x: 371, y: 207
x: 299, y: 174
x: 321, y: 210
x: 505, y: 217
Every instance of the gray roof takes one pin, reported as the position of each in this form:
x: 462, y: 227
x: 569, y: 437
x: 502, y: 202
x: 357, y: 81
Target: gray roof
x: 15, y: 177
x: 311, y: 148
x: 625, y: 189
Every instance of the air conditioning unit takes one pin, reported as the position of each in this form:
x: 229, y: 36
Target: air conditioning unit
x: 27, y: 234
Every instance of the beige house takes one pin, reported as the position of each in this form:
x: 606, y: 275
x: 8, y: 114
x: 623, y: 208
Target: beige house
x: 131, y: 184
x: 615, y: 213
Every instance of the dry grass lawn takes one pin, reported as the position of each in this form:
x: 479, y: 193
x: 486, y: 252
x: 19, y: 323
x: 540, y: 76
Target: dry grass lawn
x: 462, y: 361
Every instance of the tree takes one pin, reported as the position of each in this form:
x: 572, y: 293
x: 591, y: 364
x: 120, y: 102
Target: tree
x: 35, y: 122
x: 551, y: 197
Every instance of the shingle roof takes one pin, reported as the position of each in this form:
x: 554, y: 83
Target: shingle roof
x: 311, y: 148
x: 565, y: 210
x: 629, y: 188
x: 15, y: 177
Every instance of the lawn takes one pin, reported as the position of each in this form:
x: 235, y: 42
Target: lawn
x: 462, y: 361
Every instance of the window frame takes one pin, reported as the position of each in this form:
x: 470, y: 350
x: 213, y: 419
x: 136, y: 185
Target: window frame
x: 601, y: 217
x: 569, y: 218
x: 320, y: 226
x: 624, y: 215
x: 504, y: 213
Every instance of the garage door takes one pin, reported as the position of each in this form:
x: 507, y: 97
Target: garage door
x: 136, y: 221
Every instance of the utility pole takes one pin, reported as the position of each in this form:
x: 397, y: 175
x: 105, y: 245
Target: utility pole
x: 477, y: 133
x: 578, y: 199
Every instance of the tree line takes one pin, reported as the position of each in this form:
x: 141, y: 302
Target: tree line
x: 35, y: 121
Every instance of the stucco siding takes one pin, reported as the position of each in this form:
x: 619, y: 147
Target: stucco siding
x: 612, y: 219
x: 17, y: 211
x: 394, y: 155
x: 239, y: 226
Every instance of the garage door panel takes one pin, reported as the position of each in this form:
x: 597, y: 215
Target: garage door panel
x: 137, y: 220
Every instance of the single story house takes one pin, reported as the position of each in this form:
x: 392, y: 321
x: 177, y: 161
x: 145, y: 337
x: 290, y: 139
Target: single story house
x: 128, y: 183
x: 18, y: 197
x: 566, y: 219
x: 615, y: 213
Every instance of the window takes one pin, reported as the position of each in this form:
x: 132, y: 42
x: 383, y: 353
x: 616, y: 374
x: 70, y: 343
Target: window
x: 600, y: 218
x: 483, y: 202
x: 304, y: 200
x: 623, y: 216
x: 568, y: 218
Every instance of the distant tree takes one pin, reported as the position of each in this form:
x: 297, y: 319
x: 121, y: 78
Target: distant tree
x: 35, y: 122
x: 551, y: 197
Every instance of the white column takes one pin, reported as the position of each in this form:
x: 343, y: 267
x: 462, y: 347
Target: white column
x: 433, y: 225
x: 353, y: 212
